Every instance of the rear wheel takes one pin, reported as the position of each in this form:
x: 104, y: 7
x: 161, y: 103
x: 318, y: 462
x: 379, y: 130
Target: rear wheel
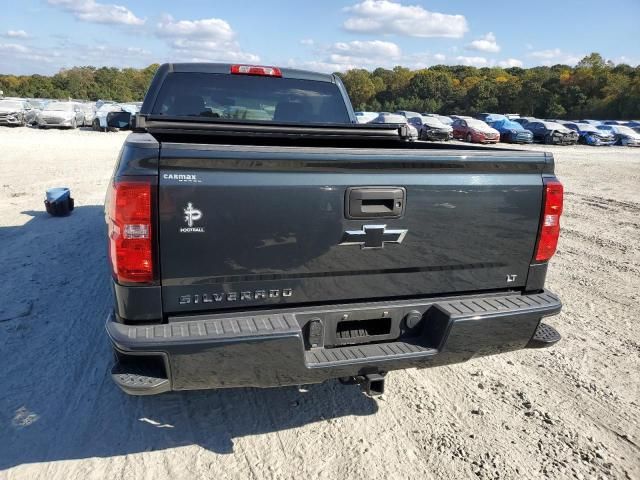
x: 469, y: 139
x: 548, y: 140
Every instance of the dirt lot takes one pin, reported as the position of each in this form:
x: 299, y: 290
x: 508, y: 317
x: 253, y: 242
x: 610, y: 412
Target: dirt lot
x: 568, y: 412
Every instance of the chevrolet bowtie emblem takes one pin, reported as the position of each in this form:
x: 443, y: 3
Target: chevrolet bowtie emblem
x: 372, y: 236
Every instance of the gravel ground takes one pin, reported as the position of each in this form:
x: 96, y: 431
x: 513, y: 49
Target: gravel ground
x: 572, y: 411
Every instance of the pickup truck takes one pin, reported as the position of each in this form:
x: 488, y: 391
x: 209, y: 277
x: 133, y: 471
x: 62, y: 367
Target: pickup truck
x: 259, y: 236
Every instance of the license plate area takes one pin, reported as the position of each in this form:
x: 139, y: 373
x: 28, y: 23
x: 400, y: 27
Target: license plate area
x: 351, y: 331
x: 351, y: 327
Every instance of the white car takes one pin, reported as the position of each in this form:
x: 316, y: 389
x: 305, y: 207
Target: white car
x: 365, y: 117
x: 89, y: 110
x: 100, y: 120
x: 626, y: 136
x: 385, y: 117
x: 60, y: 114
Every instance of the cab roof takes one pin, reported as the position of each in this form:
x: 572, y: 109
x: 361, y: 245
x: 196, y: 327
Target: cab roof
x: 226, y: 68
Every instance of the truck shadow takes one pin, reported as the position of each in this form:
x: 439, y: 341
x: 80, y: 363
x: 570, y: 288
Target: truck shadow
x: 57, y: 401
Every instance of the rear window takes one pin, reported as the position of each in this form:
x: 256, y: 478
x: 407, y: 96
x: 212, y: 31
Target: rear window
x: 250, y: 98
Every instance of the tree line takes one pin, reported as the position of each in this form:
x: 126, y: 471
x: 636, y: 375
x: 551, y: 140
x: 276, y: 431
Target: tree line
x: 88, y: 83
x: 594, y: 88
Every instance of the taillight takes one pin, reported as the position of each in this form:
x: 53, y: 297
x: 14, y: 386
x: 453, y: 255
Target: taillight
x: 550, y: 221
x: 130, y: 230
x: 256, y: 70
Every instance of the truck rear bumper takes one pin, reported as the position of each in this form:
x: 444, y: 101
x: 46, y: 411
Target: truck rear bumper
x: 288, y: 347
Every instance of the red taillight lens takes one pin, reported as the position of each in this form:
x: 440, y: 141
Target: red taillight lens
x: 550, y: 222
x: 256, y: 70
x: 130, y: 231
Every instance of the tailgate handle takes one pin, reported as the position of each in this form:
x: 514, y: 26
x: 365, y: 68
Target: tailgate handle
x: 375, y: 202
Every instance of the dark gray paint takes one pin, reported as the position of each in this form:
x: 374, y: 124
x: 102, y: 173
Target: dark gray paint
x: 273, y: 219
x: 137, y: 304
x: 268, y: 349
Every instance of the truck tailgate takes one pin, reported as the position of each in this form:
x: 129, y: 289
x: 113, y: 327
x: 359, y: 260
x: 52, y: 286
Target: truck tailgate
x: 255, y: 226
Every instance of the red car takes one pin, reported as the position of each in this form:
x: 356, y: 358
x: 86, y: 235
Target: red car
x: 474, y: 131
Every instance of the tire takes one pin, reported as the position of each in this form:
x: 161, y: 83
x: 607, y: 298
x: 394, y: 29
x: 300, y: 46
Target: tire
x: 548, y: 140
x: 469, y: 138
x: 96, y: 125
x: 74, y: 124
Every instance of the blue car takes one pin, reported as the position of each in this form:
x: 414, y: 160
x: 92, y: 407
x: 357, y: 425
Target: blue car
x: 510, y: 131
x: 591, y: 135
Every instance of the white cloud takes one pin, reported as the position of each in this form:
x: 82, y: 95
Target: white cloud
x: 510, y: 62
x: 388, y: 17
x: 546, y: 54
x: 555, y: 56
x: 486, y: 43
x: 207, y: 39
x: 307, y: 42
x: 370, y: 55
x: 364, y: 52
x: 94, y: 12
x: 13, y: 48
x: 623, y: 59
x: 359, y: 54
x: 16, y: 34
x: 472, y: 61
x: 206, y: 28
x: 13, y: 53
x: 63, y: 53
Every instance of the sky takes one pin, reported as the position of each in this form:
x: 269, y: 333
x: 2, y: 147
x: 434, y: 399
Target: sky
x: 43, y: 36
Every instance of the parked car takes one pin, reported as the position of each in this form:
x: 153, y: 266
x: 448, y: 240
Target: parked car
x: 60, y: 114
x: 408, y: 114
x: 591, y: 135
x: 15, y: 113
x: 524, y: 120
x: 100, y: 118
x: 267, y: 260
x: 365, y: 117
x: 443, y: 118
x: 459, y: 117
x: 385, y: 117
x: 474, y: 131
x: 592, y: 122
x: 484, y: 116
x: 552, y: 133
x: 430, y: 128
x: 36, y: 107
x: 99, y: 122
x: 89, y: 111
x: 634, y: 125
x: 510, y: 131
x: 624, y: 135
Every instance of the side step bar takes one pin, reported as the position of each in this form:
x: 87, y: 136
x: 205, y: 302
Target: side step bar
x: 136, y: 379
x: 545, y: 336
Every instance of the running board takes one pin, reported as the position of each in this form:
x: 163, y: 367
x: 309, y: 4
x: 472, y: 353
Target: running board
x: 139, y: 379
x: 545, y: 336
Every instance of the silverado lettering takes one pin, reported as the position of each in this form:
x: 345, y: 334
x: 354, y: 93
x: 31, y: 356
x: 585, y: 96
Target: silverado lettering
x: 233, y: 296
